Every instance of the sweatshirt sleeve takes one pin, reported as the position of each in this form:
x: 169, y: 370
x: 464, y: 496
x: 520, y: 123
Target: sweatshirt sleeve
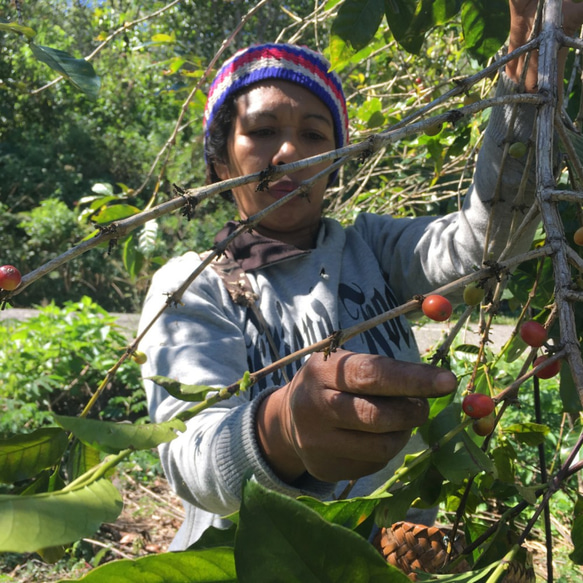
x: 200, y: 341
x: 421, y: 254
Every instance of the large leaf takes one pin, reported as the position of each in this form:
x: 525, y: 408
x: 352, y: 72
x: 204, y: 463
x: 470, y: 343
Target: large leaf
x: 357, y: 21
x: 204, y: 566
x: 113, y: 437
x: 486, y: 24
x: 79, y: 71
x: 280, y: 539
x: 29, y: 523
x: 409, y: 22
x: 24, y: 456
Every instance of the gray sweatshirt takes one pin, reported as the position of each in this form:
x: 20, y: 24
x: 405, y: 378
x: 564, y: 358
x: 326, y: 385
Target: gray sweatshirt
x: 351, y: 275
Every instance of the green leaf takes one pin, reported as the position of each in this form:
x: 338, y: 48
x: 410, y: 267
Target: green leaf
x: 181, y: 391
x: 409, y: 22
x: 215, y: 537
x: 280, y: 539
x: 17, y: 28
x: 399, y: 15
x: 528, y: 493
x: 357, y: 22
x: 568, y: 391
x: 164, y: 38
x: 132, y: 257
x: 203, y: 566
x: 485, y: 25
x: 79, y: 71
x: 24, y: 456
x: 147, y: 237
x: 504, y: 457
x: 113, y: 437
x: 28, y: 523
x: 467, y: 348
x: 115, y: 212
x: 104, y: 188
x: 529, y: 433
x: 515, y: 348
x: 348, y: 513
x: 81, y: 459
x: 460, y: 458
x: 577, y: 536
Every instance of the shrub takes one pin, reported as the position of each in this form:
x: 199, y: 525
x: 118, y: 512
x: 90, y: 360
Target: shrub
x: 54, y: 361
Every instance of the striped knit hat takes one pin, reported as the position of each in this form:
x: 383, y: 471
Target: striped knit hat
x: 286, y: 62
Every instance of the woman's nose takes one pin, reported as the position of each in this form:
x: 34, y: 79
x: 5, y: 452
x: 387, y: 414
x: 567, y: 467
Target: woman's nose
x: 286, y: 152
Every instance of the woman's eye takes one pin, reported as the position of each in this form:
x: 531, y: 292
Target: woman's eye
x: 261, y: 132
x: 316, y: 136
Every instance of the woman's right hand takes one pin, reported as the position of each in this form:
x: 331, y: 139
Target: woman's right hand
x: 347, y: 415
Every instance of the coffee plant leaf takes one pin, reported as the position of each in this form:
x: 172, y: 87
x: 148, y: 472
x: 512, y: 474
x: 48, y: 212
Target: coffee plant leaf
x: 528, y: 433
x: 281, y: 539
x: 410, y: 21
x: 78, y: 71
x: 115, y: 212
x: 181, y: 391
x: 577, y: 533
x: 357, y: 22
x: 81, y: 459
x: 568, y: 391
x: 348, y: 513
x: 24, y: 456
x: 461, y: 458
x: 112, y: 437
x: 28, y: 523
x: 486, y: 26
x: 215, y: 537
x: 504, y: 457
x: 201, y: 566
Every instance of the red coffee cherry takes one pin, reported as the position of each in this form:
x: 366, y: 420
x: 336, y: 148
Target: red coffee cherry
x: 533, y: 333
x: 9, y: 277
x: 548, y: 371
x: 437, y: 307
x: 477, y: 405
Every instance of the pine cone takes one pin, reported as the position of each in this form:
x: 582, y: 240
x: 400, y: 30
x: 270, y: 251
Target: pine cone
x: 416, y: 547
x: 519, y: 573
x: 412, y: 547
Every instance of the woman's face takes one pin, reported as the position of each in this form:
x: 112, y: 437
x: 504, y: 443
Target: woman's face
x: 278, y: 122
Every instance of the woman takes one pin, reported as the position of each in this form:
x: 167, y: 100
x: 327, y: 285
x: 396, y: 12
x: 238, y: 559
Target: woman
x: 321, y: 421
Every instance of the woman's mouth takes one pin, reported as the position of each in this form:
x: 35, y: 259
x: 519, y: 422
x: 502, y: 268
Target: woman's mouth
x: 283, y: 188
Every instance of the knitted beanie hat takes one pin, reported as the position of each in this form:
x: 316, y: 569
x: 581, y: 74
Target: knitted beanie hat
x: 287, y: 62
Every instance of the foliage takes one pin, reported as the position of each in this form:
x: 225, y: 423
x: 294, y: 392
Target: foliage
x: 54, y: 361
x: 68, y: 163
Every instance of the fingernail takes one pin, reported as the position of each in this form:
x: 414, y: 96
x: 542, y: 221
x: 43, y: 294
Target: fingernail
x: 445, y: 381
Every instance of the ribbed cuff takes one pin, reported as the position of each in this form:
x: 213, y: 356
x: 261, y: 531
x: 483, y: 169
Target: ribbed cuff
x: 238, y: 453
